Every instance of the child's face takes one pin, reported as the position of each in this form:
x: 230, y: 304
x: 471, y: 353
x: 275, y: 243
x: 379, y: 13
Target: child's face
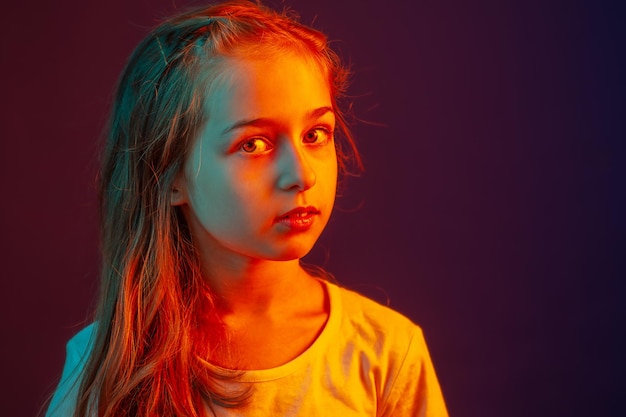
x: 267, y: 148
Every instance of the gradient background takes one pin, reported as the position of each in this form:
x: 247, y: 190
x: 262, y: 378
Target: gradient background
x: 491, y: 211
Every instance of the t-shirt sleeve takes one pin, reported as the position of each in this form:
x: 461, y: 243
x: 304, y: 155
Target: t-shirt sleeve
x: 415, y: 391
x: 64, y: 399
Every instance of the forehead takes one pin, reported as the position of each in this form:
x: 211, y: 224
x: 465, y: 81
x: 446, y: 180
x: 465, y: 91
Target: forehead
x: 281, y: 85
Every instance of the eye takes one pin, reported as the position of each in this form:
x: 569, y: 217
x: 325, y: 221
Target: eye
x: 319, y: 135
x: 255, y: 146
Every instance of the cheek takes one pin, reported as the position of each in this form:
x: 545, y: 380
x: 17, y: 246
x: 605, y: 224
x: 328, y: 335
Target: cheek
x: 227, y: 201
x: 207, y: 191
x: 328, y: 171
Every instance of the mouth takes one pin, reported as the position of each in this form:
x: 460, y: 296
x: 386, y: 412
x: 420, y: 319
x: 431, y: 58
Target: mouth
x: 300, y: 218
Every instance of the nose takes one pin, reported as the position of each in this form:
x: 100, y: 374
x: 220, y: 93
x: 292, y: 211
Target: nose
x: 294, y: 167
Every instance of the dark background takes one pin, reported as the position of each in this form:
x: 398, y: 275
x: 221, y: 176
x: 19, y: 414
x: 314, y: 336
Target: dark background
x: 491, y: 211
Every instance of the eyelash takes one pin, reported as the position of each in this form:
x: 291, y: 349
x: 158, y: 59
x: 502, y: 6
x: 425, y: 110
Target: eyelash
x: 327, y: 132
x: 253, y: 140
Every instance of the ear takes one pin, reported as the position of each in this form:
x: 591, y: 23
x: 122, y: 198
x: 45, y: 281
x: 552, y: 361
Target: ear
x: 178, y: 192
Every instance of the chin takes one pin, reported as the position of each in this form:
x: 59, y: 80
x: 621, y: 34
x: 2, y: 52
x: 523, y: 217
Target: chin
x: 292, y: 251
x: 292, y: 255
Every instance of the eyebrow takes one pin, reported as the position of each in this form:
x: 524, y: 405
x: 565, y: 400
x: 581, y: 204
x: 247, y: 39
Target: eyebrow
x: 313, y: 114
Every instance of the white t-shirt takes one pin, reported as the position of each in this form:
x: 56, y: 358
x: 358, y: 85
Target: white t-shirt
x: 368, y: 361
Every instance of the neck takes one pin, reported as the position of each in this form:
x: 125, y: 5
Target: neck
x: 254, y: 286
x: 264, y: 312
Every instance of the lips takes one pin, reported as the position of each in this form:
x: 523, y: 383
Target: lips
x: 300, y: 218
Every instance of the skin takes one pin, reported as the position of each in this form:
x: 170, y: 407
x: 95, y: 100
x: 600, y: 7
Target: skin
x: 266, y: 149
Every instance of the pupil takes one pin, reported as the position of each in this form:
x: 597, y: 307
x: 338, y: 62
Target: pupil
x: 249, y: 146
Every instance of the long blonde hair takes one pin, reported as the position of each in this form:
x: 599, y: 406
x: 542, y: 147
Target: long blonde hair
x: 146, y: 354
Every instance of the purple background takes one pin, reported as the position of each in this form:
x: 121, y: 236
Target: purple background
x: 491, y: 211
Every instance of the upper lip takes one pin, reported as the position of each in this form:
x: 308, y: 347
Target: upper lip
x: 299, y: 211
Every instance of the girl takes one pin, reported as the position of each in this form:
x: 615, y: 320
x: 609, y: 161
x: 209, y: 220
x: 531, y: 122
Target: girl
x: 219, y: 174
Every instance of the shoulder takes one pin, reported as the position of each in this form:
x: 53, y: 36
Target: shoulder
x: 78, y: 349
x: 384, y: 336
x: 81, y: 343
x: 373, y: 320
x: 389, y: 346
